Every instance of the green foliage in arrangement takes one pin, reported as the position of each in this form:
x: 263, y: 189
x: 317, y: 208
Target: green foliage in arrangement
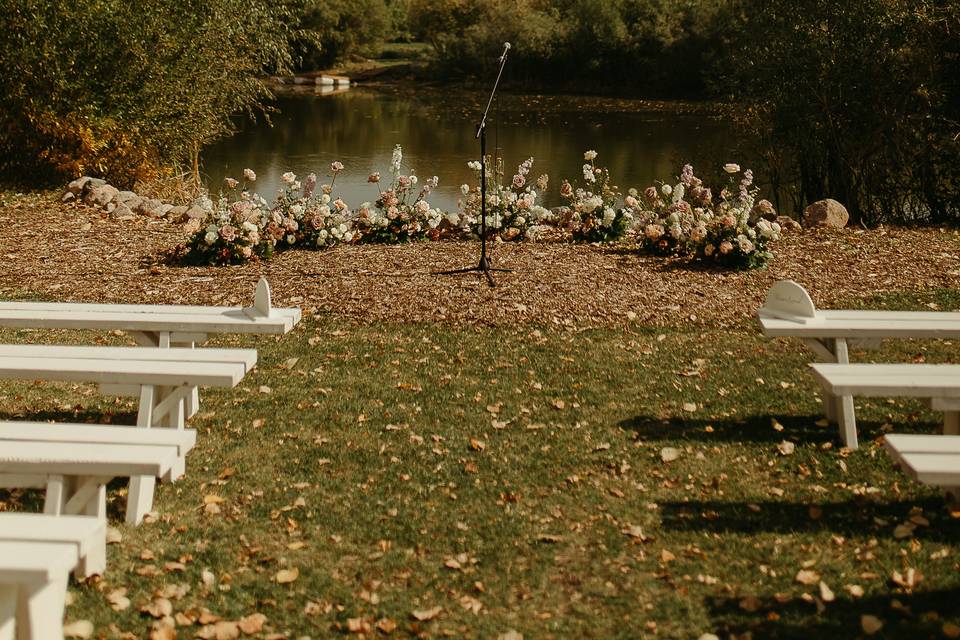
x: 858, y: 101
x: 124, y: 89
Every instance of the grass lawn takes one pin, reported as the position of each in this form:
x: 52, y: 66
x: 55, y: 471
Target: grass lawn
x: 416, y: 479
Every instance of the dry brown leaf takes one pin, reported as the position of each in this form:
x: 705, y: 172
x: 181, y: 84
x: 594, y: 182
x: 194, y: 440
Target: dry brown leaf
x: 669, y: 454
x: 252, y: 623
x: 118, y: 599
x: 286, y: 576
x: 424, y: 615
x: 870, y: 624
x: 386, y: 625
x: 81, y: 629
x: 158, y: 608
x: 807, y: 577
x: 826, y: 594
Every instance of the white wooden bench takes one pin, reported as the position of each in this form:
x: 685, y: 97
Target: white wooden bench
x: 164, y: 379
x: 33, y: 588
x: 75, y: 462
x: 930, y: 459
x: 938, y: 383
x: 789, y: 312
x: 88, y: 534
x: 156, y: 325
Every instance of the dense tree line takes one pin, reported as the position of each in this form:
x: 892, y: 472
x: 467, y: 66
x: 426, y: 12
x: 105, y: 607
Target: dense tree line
x: 858, y: 100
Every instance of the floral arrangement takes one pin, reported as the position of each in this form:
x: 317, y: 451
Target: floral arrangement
x: 513, y: 211
x: 595, y: 214
x: 393, y: 218
x: 683, y: 219
x: 233, y: 231
x: 303, y: 218
x: 739, y: 232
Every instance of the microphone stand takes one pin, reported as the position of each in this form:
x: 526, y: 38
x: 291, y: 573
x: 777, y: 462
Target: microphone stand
x: 484, y: 265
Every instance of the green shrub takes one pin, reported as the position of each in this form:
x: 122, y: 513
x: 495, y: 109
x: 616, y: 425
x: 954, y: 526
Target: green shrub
x: 125, y: 89
x: 858, y: 101
x: 650, y: 47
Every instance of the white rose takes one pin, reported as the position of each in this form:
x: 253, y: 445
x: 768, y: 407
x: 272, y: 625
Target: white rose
x: 249, y: 175
x: 210, y: 237
x: 666, y: 190
x: 289, y: 177
x: 464, y: 189
x: 590, y: 155
x: 731, y: 167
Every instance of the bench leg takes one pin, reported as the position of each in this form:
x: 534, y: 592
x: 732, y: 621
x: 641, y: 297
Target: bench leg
x: 140, y: 489
x: 40, y: 610
x: 95, y: 562
x: 951, y: 423
x: 139, y: 498
x: 55, y: 496
x: 8, y: 610
x: 848, y: 423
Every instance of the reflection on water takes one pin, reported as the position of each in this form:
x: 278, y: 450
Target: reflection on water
x: 360, y: 128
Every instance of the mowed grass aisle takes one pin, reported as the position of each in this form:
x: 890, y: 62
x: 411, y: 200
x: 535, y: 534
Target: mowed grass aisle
x: 416, y: 479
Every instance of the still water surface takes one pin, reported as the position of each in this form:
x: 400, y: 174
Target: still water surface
x: 639, y: 142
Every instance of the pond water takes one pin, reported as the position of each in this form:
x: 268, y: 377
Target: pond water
x: 640, y: 142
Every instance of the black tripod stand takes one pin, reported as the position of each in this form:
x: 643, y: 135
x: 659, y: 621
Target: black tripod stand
x: 484, y: 265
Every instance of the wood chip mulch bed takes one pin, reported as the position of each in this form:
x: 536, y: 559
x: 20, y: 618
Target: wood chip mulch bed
x: 73, y: 253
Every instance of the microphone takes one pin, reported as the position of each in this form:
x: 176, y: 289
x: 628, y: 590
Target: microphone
x: 506, y: 47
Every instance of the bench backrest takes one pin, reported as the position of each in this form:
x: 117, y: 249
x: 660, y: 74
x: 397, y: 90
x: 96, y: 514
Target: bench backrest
x: 787, y: 300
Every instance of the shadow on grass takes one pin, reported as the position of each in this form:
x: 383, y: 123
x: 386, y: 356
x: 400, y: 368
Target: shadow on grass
x: 902, y: 614
x: 757, y: 428
x: 79, y: 416
x: 855, y: 518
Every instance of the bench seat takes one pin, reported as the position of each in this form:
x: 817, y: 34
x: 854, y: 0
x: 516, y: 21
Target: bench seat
x: 157, y: 325
x: 930, y: 459
x: 88, y: 534
x: 76, y: 462
x: 33, y: 588
x: 937, y: 383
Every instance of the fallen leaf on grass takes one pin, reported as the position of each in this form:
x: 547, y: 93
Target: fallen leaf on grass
x: 252, y: 624
x: 870, y: 624
x: 80, y: 629
x: 669, y: 454
x: 855, y: 590
x: 286, y: 576
x: 118, y: 599
x: 907, y: 580
x: 635, y: 531
x: 808, y: 577
x: 826, y: 594
x: 386, y: 625
x: 951, y: 630
x: 158, y: 608
x: 114, y: 536
x: 750, y: 604
x: 786, y: 448
x: 424, y: 615
x: 510, y: 635
x: 689, y: 407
